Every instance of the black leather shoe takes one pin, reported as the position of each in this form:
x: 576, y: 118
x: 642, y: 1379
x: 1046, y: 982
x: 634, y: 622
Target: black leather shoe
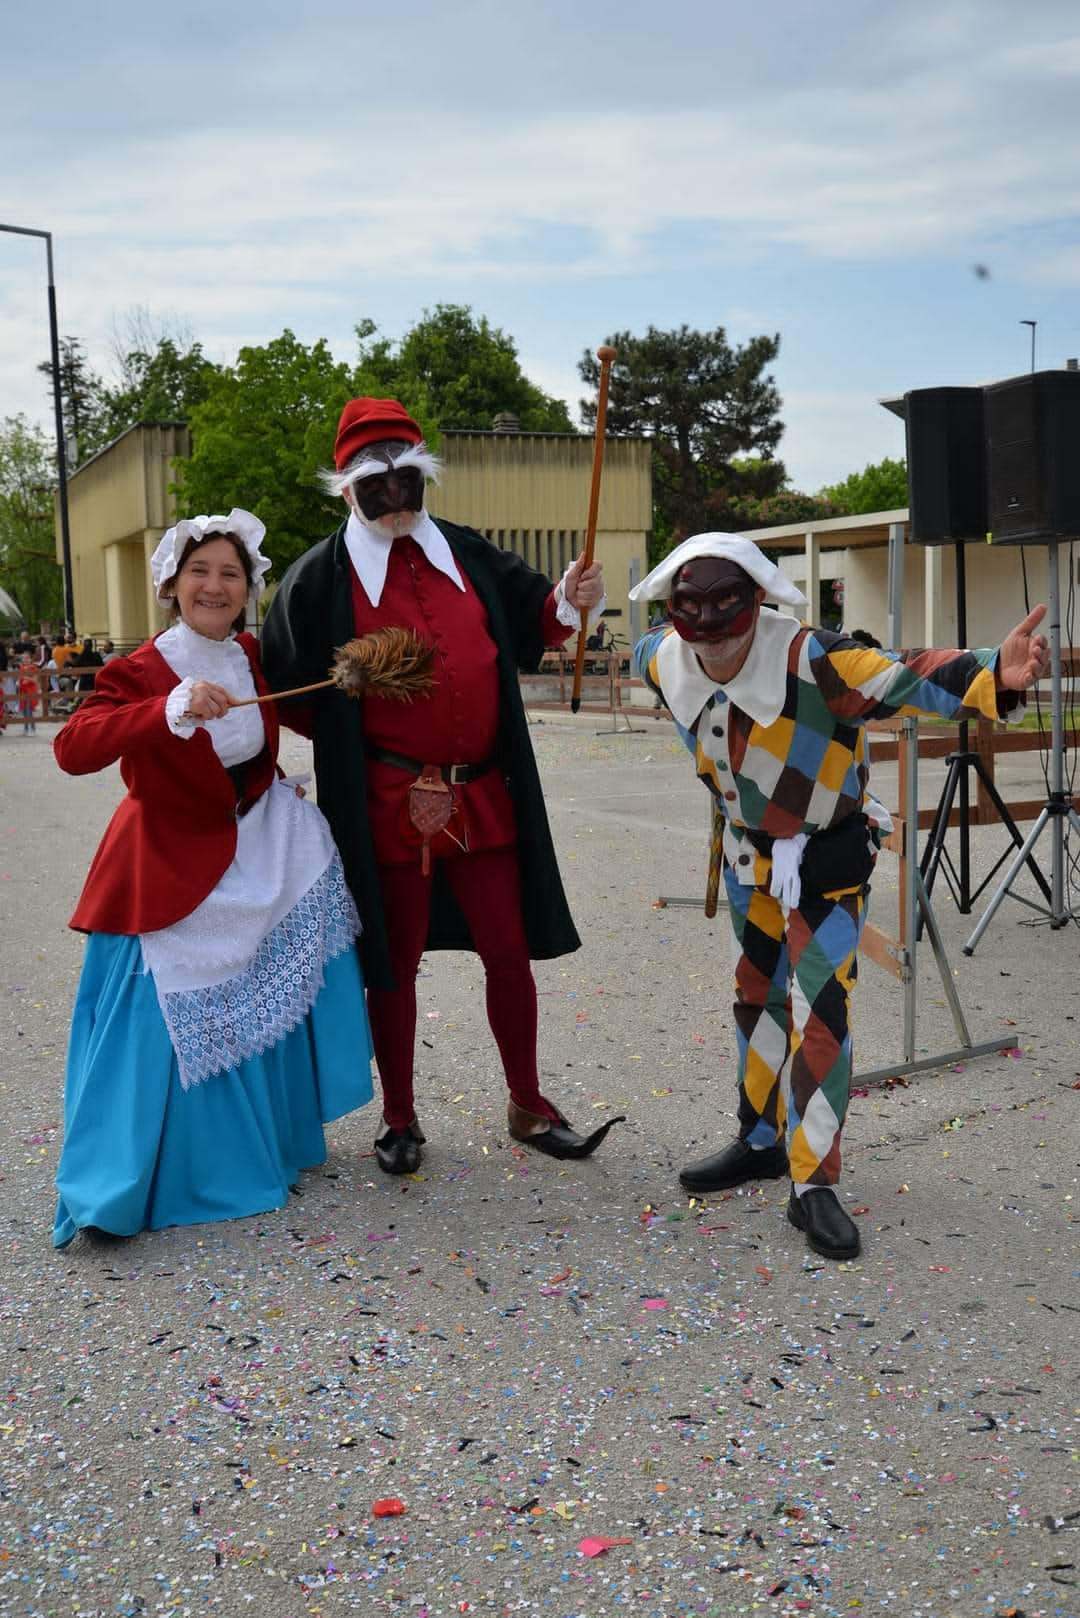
x: 828, y: 1229
x: 398, y: 1150
x: 556, y: 1139
x: 737, y: 1164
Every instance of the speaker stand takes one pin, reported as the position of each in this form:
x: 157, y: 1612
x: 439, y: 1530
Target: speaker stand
x: 957, y: 785
x: 935, y: 854
x: 1057, y: 813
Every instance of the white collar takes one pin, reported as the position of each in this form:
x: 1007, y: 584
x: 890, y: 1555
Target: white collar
x: 182, y: 642
x: 370, y: 554
x: 758, y: 689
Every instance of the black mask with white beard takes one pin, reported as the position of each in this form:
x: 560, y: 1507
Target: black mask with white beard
x: 383, y: 494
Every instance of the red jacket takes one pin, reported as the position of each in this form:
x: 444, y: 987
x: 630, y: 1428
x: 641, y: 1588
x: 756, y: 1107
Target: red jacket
x: 174, y: 836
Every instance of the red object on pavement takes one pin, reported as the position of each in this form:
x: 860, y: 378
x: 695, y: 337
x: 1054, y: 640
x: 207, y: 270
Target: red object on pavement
x: 388, y: 1508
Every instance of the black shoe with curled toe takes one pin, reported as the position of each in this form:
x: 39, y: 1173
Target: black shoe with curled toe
x: 556, y: 1137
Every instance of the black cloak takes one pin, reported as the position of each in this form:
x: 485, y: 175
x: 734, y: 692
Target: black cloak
x: 310, y: 616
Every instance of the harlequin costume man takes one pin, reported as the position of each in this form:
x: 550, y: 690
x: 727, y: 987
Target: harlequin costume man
x: 487, y: 879
x: 773, y: 713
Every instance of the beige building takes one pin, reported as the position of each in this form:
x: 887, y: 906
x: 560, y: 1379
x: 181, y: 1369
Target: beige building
x: 527, y: 492
x: 119, y: 506
x: 852, y: 553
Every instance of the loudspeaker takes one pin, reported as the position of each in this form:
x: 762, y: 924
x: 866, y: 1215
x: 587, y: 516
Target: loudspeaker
x: 946, y: 465
x: 1033, y: 458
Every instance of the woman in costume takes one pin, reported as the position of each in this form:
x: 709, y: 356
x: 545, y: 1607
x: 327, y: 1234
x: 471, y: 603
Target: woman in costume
x: 220, y: 1020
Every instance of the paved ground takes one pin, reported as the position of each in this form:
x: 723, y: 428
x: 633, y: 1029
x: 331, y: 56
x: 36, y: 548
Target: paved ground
x: 529, y: 1356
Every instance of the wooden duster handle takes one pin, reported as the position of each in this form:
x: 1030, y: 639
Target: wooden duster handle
x: 276, y: 696
x: 272, y: 696
x: 605, y: 354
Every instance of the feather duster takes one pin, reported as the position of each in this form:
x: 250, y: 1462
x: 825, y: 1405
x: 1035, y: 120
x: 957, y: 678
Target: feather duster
x: 393, y: 663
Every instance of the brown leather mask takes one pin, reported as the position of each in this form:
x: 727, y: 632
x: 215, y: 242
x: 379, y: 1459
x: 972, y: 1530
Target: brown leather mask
x: 712, y: 599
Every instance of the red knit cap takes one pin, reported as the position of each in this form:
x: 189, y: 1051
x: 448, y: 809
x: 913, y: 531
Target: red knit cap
x: 371, y: 421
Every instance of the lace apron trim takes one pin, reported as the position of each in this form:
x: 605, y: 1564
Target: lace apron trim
x: 213, y: 1029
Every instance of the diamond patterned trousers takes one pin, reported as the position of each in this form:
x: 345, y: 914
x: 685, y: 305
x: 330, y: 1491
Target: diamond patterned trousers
x: 793, y: 984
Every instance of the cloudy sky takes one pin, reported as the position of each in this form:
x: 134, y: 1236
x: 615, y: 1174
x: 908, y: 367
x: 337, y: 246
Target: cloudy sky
x: 831, y: 170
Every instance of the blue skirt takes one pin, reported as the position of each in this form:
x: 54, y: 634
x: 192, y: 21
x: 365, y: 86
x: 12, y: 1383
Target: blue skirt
x: 140, y: 1152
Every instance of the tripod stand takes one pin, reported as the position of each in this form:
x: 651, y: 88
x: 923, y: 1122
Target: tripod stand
x: 935, y: 854
x: 1058, y: 812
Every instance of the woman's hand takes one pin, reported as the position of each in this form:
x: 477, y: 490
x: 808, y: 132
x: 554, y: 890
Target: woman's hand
x: 208, y: 701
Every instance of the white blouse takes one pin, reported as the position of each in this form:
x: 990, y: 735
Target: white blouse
x: 239, y: 734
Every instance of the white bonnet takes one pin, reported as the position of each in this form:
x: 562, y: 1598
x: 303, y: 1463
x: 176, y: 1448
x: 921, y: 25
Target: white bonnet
x: 243, y: 525
x: 656, y: 586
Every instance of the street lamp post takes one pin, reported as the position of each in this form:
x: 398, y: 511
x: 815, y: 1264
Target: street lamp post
x: 1032, y: 324
x: 61, y: 458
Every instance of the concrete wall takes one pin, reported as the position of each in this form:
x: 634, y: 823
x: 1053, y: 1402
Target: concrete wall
x: 529, y: 493
x: 119, y: 506
x: 995, y: 589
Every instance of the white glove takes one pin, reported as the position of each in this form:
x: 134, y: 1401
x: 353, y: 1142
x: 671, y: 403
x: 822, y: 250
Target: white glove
x: 786, y: 883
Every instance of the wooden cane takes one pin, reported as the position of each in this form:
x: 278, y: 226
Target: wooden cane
x: 605, y: 354
x: 716, y: 860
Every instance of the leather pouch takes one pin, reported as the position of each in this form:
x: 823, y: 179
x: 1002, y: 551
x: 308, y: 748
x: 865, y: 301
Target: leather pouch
x: 431, y: 804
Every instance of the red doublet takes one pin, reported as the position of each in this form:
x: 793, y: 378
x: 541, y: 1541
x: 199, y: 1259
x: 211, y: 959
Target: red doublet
x: 455, y: 723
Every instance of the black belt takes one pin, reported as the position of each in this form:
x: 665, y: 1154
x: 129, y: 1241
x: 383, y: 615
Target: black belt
x: 455, y: 774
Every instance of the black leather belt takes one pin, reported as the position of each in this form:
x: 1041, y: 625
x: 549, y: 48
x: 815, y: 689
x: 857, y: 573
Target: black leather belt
x: 455, y: 774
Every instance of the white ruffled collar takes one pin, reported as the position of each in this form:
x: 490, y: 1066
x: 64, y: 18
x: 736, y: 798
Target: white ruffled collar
x: 182, y: 642
x: 370, y: 553
x: 758, y: 689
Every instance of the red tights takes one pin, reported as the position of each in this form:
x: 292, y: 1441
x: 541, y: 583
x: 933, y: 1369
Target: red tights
x: 486, y: 887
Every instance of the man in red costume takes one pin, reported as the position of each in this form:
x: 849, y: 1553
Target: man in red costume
x: 486, y: 878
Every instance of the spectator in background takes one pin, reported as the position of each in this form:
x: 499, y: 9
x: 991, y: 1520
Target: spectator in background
x: 89, y: 658
x: 108, y: 652
x: 29, y: 692
x: 63, y: 649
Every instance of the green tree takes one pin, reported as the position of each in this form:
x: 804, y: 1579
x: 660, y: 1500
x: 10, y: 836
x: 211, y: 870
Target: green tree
x: 82, y: 398
x: 164, y: 383
x: 785, y: 506
x: 704, y: 404
x: 29, y: 571
x: 880, y: 487
x: 259, y: 436
x: 456, y: 369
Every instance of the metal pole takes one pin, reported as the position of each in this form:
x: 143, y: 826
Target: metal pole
x: 635, y: 606
x: 896, y: 585
x: 909, y: 740
x: 58, y: 409
x: 1032, y: 324
x: 1057, y: 739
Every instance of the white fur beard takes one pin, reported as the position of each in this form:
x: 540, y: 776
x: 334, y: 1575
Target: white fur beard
x: 394, y: 525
